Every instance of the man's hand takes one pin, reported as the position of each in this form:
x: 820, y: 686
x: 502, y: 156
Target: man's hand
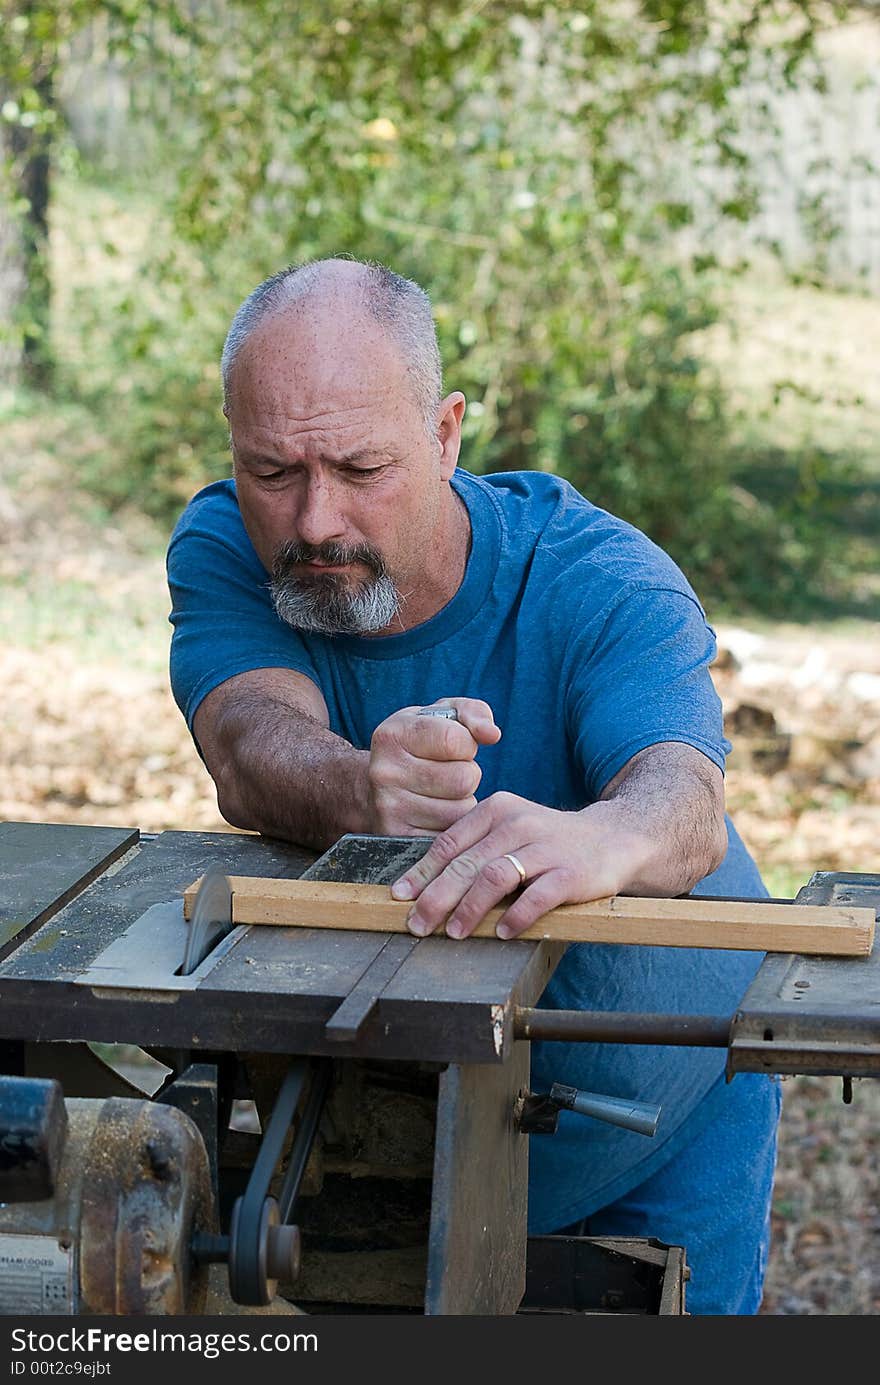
x: 422, y: 773
x: 567, y: 858
x: 657, y: 829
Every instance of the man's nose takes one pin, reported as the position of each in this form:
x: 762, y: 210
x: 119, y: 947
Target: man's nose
x: 319, y: 516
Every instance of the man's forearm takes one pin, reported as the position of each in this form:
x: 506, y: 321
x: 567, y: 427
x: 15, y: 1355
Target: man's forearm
x: 280, y: 772
x: 667, y: 810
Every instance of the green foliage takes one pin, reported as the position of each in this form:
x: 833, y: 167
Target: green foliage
x: 533, y: 165
x: 142, y: 354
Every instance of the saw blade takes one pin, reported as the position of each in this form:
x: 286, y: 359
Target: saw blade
x: 211, y: 918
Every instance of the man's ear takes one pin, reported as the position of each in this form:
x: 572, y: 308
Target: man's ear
x: 450, y: 413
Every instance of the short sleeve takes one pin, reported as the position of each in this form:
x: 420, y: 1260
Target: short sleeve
x: 641, y: 678
x: 221, y: 608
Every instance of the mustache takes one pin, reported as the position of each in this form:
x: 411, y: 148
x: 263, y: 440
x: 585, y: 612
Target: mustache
x: 292, y: 553
x: 325, y: 603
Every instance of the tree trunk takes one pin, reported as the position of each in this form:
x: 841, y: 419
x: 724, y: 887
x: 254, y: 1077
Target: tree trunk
x: 25, y: 282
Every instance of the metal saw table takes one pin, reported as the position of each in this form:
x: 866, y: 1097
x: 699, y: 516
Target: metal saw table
x: 424, y: 1037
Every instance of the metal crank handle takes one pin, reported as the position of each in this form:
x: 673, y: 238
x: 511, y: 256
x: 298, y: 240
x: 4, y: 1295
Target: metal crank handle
x: 537, y: 1113
x: 641, y: 1116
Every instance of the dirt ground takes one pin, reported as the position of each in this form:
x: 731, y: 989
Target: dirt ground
x: 89, y: 733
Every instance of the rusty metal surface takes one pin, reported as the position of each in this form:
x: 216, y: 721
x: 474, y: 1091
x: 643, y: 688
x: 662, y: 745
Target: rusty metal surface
x: 620, y: 1027
x: 146, y: 1191
x: 51, y: 1226
x: 132, y: 1187
x: 814, y: 1015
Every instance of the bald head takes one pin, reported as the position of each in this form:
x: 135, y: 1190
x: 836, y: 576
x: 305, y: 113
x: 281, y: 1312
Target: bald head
x: 341, y: 292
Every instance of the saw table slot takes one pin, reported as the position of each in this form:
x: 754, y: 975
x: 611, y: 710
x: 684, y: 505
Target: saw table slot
x: 380, y: 861
x: 346, y: 1022
x: 146, y: 957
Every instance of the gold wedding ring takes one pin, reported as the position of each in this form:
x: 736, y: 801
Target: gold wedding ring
x: 514, y: 860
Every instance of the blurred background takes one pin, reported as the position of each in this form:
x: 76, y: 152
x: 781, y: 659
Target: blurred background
x: 651, y: 233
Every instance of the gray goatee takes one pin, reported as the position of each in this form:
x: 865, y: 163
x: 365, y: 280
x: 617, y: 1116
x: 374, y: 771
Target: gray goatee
x: 325, y: 603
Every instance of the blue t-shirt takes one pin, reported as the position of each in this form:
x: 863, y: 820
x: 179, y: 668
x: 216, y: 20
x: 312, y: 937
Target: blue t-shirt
x: 589, y: 644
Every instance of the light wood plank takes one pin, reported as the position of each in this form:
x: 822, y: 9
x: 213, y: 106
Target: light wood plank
x: 745, y: 925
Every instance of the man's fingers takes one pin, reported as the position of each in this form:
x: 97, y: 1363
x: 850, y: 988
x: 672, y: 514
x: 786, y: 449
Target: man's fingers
x: 506, y: 851
x: 498, y: 810
x: 478, y: 718
x: 423, y: 773
x: 415, y: 815
x: 473, y: 714
x: 497, y: 879
x: 544, y: 893
x: 449, y: 846
x: 436, y: 738
x: 421, y: 777
x: 441, y: 738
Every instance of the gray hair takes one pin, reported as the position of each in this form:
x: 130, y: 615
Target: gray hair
x: 400, y: 305
x: 325, y: 605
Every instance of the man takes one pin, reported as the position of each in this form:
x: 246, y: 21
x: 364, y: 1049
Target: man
x: 349, y: 578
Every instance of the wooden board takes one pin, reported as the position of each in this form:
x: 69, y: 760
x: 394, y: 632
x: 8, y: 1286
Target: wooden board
x: 744, y: 925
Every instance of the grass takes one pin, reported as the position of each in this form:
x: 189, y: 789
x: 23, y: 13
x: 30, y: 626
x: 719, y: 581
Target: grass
x: 803, y: 392
x: 783, y: 882
x: 72, y: 571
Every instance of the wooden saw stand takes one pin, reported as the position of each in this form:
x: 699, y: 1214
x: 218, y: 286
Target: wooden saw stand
x: 412, y: 1191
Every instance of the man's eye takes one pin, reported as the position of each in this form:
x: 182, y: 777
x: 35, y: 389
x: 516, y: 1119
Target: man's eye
x: 363, y: 470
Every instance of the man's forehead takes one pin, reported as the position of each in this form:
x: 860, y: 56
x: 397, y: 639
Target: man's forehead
x: 315, y: 351
x: 332, y: 324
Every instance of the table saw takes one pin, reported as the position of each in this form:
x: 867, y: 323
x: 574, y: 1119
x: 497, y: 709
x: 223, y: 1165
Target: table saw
x: 384, y: 1164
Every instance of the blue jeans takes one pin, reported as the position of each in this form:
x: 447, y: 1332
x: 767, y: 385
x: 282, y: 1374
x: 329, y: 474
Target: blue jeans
x: 713, y: 1198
